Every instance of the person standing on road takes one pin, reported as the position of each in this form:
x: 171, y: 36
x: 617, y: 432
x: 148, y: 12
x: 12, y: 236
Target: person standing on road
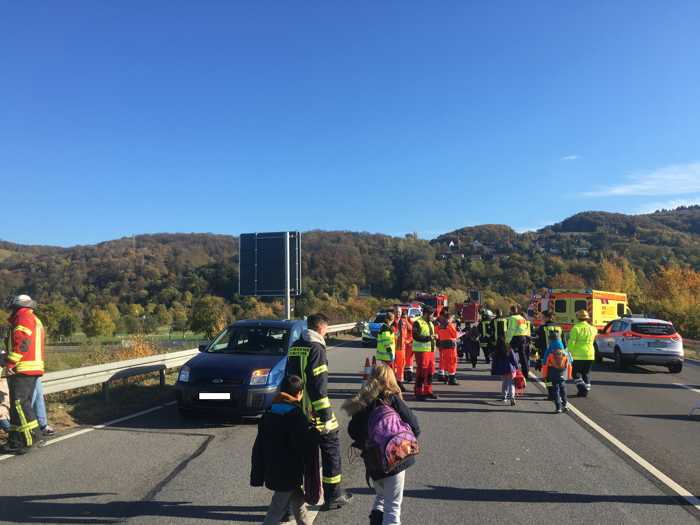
x: 381, y: 390
x: 282, y: 447
x: 307, y: 359
x: 447, y: 343
x: 486, y: 337
x: 4, y: 402
x: 402, y: 331
x: 581, y: 346
x: 386, y: 340
x: 24, y: 364
x: 518, y: 337
x: 409, y: 374
x: 505, y: 364
x: 545, y: 335
x: 39, y: 405
x: 556, y: 371
x: 424, y: 351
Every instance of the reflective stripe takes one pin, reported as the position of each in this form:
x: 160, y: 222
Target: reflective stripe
x: 24, y: 329
x: 14, y: 357
x: 25, y: 428
x: 321, y: 404
x: 328, y: 426
x: 39, y: 342
x: 319, y: 370
x: 30, y: 366
x: 332, y: 481
x: 298, y: 351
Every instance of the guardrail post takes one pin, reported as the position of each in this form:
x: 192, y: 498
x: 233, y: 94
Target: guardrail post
x: 162, y: 376
x: 105, y: 390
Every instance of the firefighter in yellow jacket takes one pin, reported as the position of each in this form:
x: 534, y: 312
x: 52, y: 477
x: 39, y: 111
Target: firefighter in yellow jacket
x: 307, y: 359
x: 24, y: 364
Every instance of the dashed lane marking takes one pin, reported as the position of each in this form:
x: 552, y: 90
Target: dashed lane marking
x: 651, y: 469
x: 688, y: 387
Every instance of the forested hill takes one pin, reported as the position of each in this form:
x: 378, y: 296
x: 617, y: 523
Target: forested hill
x: 172, y: 270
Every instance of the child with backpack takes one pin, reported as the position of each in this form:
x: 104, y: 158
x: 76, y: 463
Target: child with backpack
x: 505, y: 364
x: 556, y: 371
x: 386, y: 431
x: 285, y: 442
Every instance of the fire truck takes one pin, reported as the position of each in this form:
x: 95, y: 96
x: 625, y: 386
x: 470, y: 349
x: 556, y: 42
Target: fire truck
x: 469, y: 310
x: 602, y: 306
x: 436, y: 301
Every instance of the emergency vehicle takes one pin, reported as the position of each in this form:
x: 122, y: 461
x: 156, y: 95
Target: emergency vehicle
x: 469, y: 310
x: 436, y: 301
x: 603, y: 307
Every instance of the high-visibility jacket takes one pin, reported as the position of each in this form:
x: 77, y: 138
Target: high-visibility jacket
x: 557, y: 367
x: 581, y: 340
x: 26, y: 343
x: 447, y: 335
x: 386, y: 343
x: 307, y: 359
x: 499, y: 327
x: 485, y: 333
x: 423, y: 332
x: 546, y: 334
x: 517, y: 326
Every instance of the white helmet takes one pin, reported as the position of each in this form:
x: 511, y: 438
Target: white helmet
x: 22, y: 301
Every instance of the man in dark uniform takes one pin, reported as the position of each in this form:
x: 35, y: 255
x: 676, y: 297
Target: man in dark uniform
x: 307, y: 359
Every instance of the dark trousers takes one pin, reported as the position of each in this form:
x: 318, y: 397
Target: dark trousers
x: 330, y: 465
x: 474, y: 353
x: 521, y: 346
x: 559, y: 393
x: 488, y: 351
x: 582, y: 376
x: 23, y: 423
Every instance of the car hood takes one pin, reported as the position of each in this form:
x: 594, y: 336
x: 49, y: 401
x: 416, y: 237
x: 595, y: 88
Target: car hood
x: 374, y: 327
x: 230, y: 366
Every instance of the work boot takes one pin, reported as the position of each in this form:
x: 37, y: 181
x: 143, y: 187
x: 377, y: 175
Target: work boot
x: 408, y: 376
x: 432, y: 396
x: 338, y: 502
x: 376, y: 517
x: 16, y: 449
x: 453, y: 380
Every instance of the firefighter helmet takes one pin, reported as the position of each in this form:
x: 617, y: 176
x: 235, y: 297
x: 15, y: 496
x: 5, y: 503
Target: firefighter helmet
x: 22, y: 301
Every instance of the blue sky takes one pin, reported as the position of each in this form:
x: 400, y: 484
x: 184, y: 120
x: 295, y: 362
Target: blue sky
x: 216, y: 116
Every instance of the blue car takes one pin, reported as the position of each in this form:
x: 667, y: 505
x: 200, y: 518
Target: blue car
x: 371, y: 329
x: 239, y: 372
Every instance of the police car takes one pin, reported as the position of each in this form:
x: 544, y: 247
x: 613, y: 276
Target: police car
x: 640, y: 340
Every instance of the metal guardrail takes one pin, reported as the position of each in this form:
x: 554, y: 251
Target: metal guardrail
x: 64, y: 380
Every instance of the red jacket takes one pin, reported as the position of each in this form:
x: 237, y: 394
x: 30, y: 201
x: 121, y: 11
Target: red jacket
x: 26, y: 343
x: 447, y: 335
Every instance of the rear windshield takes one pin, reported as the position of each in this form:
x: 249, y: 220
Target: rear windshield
x: 653, y: 328
x: 260, y: 340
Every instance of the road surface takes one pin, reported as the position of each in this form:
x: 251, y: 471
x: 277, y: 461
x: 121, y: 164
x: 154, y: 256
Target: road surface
x: 482, y: 462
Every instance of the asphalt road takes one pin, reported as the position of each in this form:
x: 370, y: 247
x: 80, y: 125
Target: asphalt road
x: 481, y: 462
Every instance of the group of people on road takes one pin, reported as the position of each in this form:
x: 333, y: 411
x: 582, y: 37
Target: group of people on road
x: 382, y: 426
x: 22, y: 407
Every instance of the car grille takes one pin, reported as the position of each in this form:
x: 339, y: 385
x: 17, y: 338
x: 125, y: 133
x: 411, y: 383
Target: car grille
x: 226, y: 382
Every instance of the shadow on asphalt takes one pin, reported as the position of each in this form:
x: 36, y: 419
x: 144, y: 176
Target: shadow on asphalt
x: 525, y: 496
x: 49, y: 509
x: 670, y: 417
x: 452, y: 410
x: 633, y: 384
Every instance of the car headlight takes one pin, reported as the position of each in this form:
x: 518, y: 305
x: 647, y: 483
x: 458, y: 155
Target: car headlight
x: 184, y: 376
x: 259, y: 376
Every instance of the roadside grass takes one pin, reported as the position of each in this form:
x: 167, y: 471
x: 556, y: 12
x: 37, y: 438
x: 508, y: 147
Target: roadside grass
x: 692, y: 349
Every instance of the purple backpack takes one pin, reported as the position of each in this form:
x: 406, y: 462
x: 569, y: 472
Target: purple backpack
x: 390, y: 441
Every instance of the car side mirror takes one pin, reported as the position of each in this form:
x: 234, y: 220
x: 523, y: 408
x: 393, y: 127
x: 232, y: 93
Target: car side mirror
x: 203, y: 347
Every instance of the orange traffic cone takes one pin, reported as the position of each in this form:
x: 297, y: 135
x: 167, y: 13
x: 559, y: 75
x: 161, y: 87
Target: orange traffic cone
x: 374, y: 361
x: 367, y: 371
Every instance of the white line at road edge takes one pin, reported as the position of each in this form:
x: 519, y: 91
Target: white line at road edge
x: 688, y: 387
x: 651, y: 469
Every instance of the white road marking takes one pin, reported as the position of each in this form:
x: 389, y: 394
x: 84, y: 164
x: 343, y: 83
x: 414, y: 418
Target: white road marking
x: 692, y: 389
x: 651, y: 469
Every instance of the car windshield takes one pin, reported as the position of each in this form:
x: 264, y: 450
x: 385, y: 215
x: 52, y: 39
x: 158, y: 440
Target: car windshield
x: 380, y: 318
x: 653, y: 328
x: 432, y: 302
x: 261, y: 340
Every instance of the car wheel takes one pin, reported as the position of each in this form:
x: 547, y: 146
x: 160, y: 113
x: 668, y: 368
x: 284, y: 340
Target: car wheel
x: 619, y: 361
x: 675, y: 368
x: 598, y: 357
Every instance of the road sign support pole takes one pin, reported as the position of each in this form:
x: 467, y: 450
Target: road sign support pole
x: 287, y: 280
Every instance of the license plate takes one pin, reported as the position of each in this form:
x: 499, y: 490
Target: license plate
x: 208, y: 396
x: 658, y: 344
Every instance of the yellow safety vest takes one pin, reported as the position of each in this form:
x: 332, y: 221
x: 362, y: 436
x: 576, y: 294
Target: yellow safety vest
x: 386, y: 344
x: 426, y: 329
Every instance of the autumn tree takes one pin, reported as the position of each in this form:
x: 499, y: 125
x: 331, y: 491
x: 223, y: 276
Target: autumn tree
x: 208, y: 316
x: 98, y: 323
